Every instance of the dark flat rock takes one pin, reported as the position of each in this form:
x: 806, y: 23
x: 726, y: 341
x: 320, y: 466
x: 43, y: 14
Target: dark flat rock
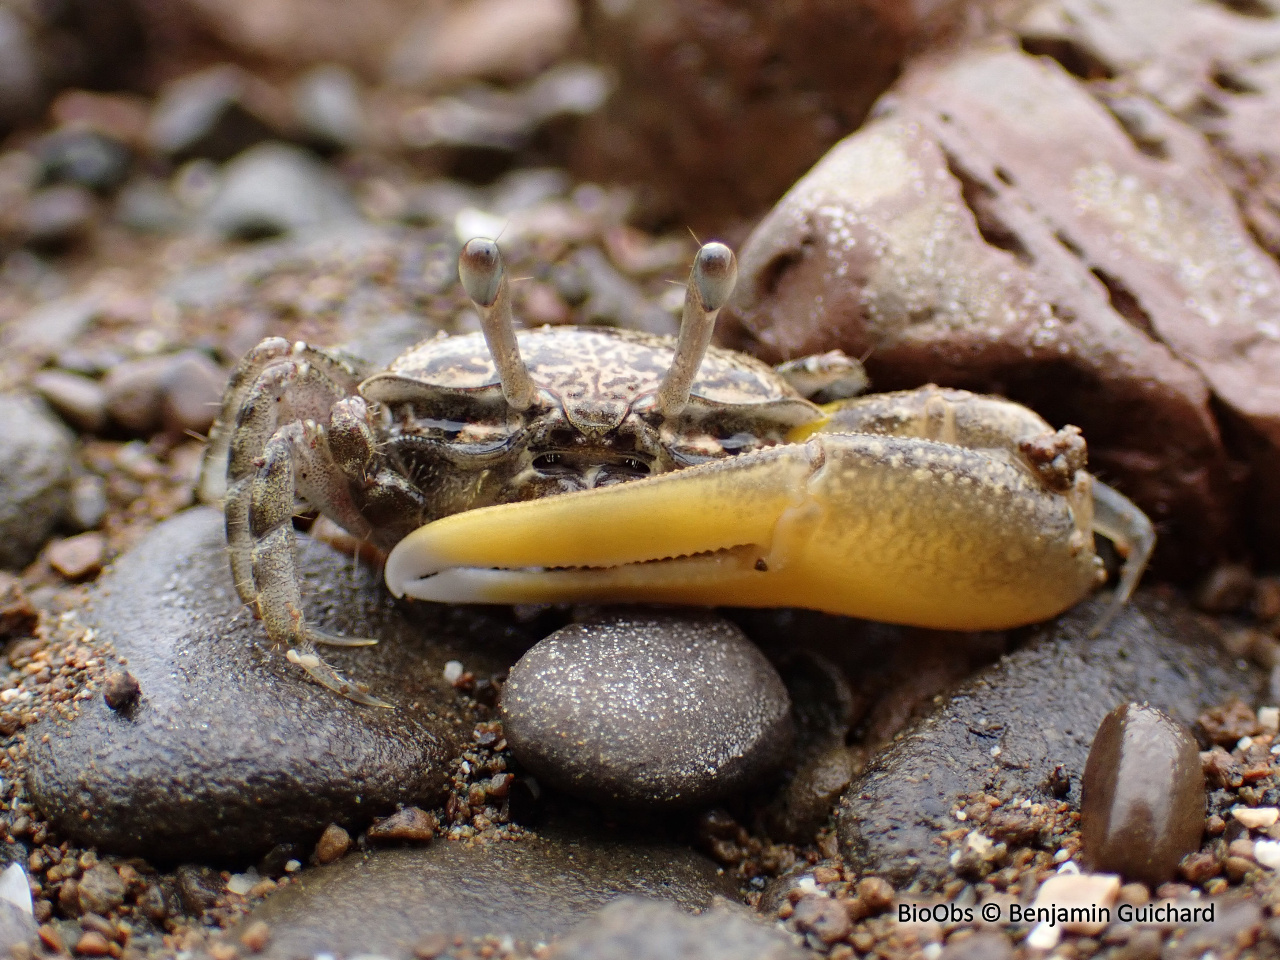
x: 531, y: 889
x: 1041, y: 706
x: 229, y: 750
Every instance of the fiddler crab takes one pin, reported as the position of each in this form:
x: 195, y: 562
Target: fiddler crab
x: 583, y: 464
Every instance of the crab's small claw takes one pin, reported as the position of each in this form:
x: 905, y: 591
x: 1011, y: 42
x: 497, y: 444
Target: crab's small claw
x: 897, y: 529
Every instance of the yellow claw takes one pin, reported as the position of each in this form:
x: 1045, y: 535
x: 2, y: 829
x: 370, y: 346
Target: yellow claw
x: 899, y: 529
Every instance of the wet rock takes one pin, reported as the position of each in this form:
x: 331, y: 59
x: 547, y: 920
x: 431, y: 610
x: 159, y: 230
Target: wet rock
x: 645, y: 709
x: 57, y: 216
x: 80, y: 400
x: 216, y: 113
x: 274, y: 188
x: 649, y: 930
x: 722, y: 106
x: 529, y: 888
x: 998, y: 228
x: 83, y: 157
x: 811, y: 793
x: 507, y: 40
x: 226, y: 736
x: 327, y: 103
x: 1204, y: 70
x: 1143, y: 799
x: 1005, y: 731
x: 35, y: 476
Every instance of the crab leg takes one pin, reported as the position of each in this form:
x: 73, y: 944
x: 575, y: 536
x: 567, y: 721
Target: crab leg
x: 274, y: 565
x: 899, y: 529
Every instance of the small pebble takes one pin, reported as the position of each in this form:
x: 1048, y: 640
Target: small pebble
x: 79, y: 400
x: 191, y: 393
x: 333, y: 844
x: 327, y: 102
x: 36, y: 450
x: 89, y: 503
x: 93, y: 944
x: 101, y: 890
x: 134, y: 391
x: 645, y: 709
x: 256, y: 936
x: 80, y: 557
x: 1143, y: 802
x: 411, y: 823
x: 1226, y: 589
x: 1256, y: 818
x: 1079, y: 890
x: 121, y: 690
x: 56, y: 216
x: 1267, y: 853
x: 1269, y: 719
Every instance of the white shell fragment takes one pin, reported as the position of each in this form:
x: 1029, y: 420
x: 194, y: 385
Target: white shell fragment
x: 15, y: 888
x: 1256, y: 818
x: 1079, y: 891
x: 1267, y: 853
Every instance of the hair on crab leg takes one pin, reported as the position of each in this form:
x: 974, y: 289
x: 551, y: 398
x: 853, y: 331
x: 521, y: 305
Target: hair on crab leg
x: 711, y: 282
x: 485, y: 279
x: 1118, y: 519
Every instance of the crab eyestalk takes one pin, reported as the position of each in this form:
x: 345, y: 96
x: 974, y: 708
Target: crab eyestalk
x: 711, y: 281
x: 485, y: 279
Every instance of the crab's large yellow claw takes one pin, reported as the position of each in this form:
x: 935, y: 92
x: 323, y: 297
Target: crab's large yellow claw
x: 889, y: 528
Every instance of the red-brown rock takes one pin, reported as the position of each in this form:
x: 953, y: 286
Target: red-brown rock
x: 998, y: 228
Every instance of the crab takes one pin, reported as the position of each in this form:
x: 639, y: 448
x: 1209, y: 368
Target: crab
x: 576, y: 464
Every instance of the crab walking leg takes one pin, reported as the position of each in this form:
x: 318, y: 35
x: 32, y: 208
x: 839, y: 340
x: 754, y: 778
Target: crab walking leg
x: 284, y: 390
x: 1118, y: 519
x: 213, y: 474
x: 274, y: 561
x: 898, y: 529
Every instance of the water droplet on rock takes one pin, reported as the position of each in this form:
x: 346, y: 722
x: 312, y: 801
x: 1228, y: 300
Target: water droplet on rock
x: 1143, y: 802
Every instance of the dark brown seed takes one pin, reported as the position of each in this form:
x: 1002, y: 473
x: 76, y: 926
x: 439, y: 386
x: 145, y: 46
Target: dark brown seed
x: 121, y: 690
x: 1143, y: 801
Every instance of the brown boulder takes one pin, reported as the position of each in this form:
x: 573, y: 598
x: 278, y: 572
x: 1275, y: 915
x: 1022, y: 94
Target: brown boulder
x: 998, y: 228
x: 722, y: 104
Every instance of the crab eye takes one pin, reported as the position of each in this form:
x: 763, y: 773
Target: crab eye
x: 638, y: 466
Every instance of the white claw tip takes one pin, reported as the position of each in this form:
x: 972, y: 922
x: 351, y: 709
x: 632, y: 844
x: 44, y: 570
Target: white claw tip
x: 715, y: 271
x: 480, y: 270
